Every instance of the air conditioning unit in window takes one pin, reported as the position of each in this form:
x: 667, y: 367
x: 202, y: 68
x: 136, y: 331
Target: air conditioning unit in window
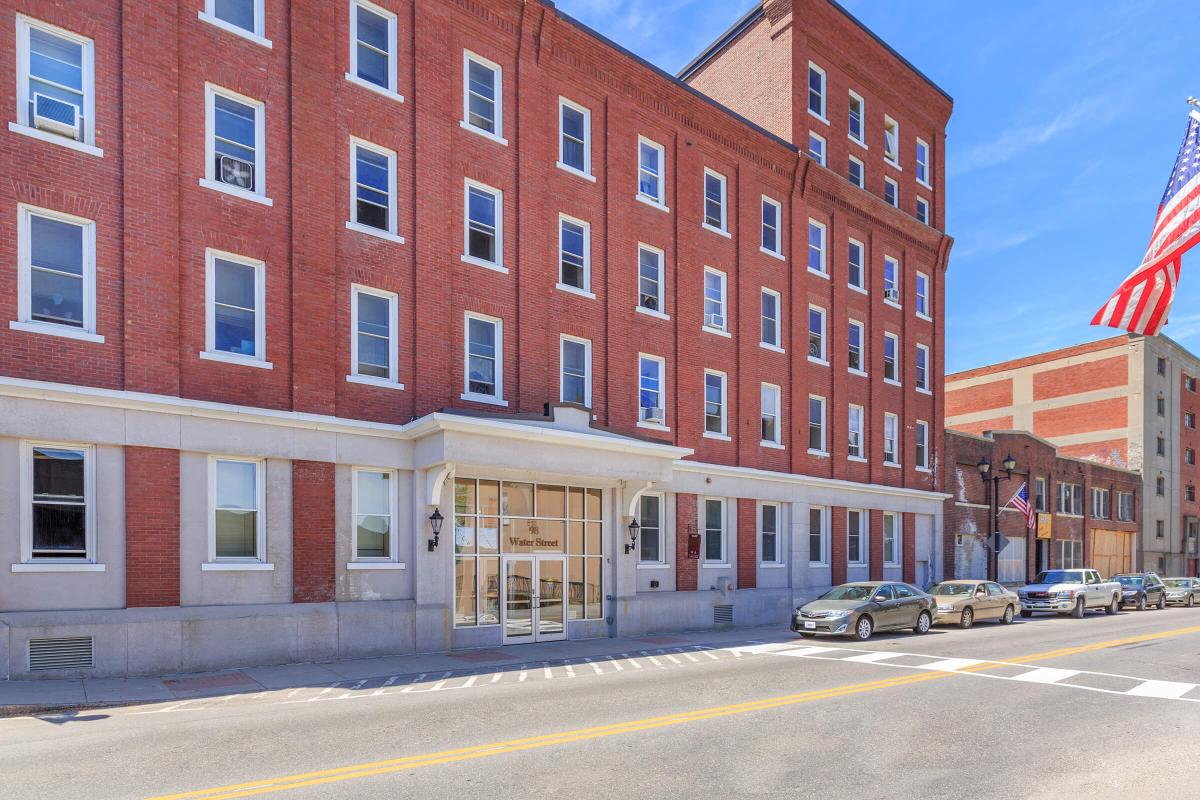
x: 655, y: 415
x: 892, y: 294
x: 56, y: 116
x: 715, y: 321
x: 236, y: 172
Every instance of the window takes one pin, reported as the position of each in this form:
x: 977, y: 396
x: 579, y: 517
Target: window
x: 1189, y: 383
x: 891, y: 140
x: 56, y: 93
x: 856, y: 115
x: 373, y: 202
x: 238, y: 16
x: 769, y: 429
x: 235, y: 309
x: 816, y: 147
x: 1162, y: 445
x: 768, y: 525
x: 57, y: 503
x: 1189, y: 456
x: 891, y: 346
x: 816, y: 334
x: 574, y: 254
x: 856, y: 173
x: 1160, y: 486
x: 714, y: 531
x: 856, y: 552
x: 921, y: 434
x: 373, y: 47
x: 236, y: 531
x: 891, y: 281
x: 714, y: 403
x: 651, y: 390
x: 816, y: 247
x: 483, y: 237
x: 1039, y: 494
x: 816, y: 425
x: 854, y: 432
x: 816, y: 535
x: 235, y: 160
x: 56, y: 279
x: 651, y: 181
x: 855, y: 359
x: 1189, y: 493
x: 714, y: 300
x: 575, y: 371
x: 1159, y: 529
x: 816, y: 91
x: 1161, y: 405
x: 650, y: 536
x: 714, y: 201
x: 1070, y: 554
x: 1101, y: 503
x: 922, y: 162
x: 373, y: 346
x: 771, y: 215
x: 770, y: 319
x: 1070, y: 499
x: 483, y: 96
x: 856, y: 276
x: 891, y: 540
x: 923, y: 368
x: 1189, y: 419
x: 650, y: 287
x: 574, y: 137
x: 484, y: 356
x: 891, y: 447
x: 1162, y: 366
x: 891, y: 192
x: 923, y: 210
x: 374, y: 515
x: 922, y: 295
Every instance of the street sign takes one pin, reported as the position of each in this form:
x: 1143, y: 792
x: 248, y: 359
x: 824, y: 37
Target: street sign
x: 1001, y: 541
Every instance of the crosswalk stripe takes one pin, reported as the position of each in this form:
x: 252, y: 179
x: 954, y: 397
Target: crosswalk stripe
x: 950, y: 664
x: 1045, y: 675
x: 870, y: 658
x: 1169, y: 690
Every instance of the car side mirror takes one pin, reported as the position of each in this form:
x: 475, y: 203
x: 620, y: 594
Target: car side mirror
x: 878, y: 599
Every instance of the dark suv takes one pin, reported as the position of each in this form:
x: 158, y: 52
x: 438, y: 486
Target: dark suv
x: 1141, y: 589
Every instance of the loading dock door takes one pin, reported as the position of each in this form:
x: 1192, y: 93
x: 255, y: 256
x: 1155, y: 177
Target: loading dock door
x: 1112, y: 552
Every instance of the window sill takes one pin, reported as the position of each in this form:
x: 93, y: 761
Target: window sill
x: 857, y: 372
x: 771, y: 253
x: 61, y: 141
x: 236, y: 566
x: 720, y: 437
x: 924, y: 391
x: 772, y: 445
x: 819, y: 273
x: 774, y: 348
x: 856, y: 459
x: 233, y: 191
x: 892, y: 464
x: 891, y: 303
x: 854, y: 288
x: 651, y: 426
x: 462, y: 123
x: 641, y: 198
x: 818, y: 565
x: 818, y: 453
x: 566, y: 287
x: 858, y: 142
x: 31, y: 566
x: 587, y: 176
x: 653, y: 566
x: 378, y: 234
x: 924, y: 317
x: 893, y: 164
x: 717, y: 231
x: 771, y: 565
x: 818, y: 117
x: 650, y: 312
x: 716, y: 565
x: 234, y: 29
x: 483, y: 398
x: 368, y: 380
x: 371, y: 565
x: 230, y: 358
x: 50, y: 329
x: 372, y: 87
x: 479, y: 262
x: 716, y: 331
x: 922, y: 469
x: 891, y: 382
x: 818, y: 361
x: 924, y: 183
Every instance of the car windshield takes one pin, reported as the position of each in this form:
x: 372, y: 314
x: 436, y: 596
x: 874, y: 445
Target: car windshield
x: 953, y: 589
x: 1059, y: 576
x: 1178, y: 583
x: 848, y: 593
x: 1128, y: 580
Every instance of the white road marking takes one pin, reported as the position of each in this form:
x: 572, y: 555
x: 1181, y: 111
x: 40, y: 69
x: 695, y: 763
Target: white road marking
x: 1045, y: 675
x: 570, y: 671
x: 1169, y: 690
x: 469, y: 682
x: 870, y: 658
x: 496, y: 677
x: 350, y: 693
x: 413, y: 684
x: 615, y: 663
x: 951, y: 664
x: 386, y: 684
x: 595, y: 667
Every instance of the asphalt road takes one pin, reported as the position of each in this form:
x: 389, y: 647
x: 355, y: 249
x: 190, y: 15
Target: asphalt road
x: 1047, y: 708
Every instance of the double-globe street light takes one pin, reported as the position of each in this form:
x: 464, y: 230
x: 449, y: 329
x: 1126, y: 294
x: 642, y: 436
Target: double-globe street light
x: 991, y: 485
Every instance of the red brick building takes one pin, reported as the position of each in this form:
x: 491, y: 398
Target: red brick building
x: 287, y: 277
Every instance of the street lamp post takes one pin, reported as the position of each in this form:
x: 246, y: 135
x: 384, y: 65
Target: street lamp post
x: 991, y: 485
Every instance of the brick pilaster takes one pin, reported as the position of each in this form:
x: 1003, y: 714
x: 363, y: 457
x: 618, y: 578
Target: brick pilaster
x: 314, y: 534
x: 747, y: 546
x: 875, y: 539
x: 837, y: 545
x: 909, y: 545
x: 151, y: 527
x: 686, y: 572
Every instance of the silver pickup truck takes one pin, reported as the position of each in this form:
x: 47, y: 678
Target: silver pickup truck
x: 1069, y: 591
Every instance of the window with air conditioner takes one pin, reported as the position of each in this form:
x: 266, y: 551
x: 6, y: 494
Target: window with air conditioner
x: 56, y: 95
x: 714, y: 301
x: 235, y: 160
x: 56, y: 276
x: 891, y: 281
x: 651, y: 390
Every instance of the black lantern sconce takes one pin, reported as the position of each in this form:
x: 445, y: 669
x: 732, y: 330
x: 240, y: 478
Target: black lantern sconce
x: 633, y: 534
x: 435, y: 525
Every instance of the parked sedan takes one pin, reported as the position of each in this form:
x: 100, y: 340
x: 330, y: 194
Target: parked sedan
x: 1141, y: 589
x: 860, y: 609
x: 1182, y: 591
x: 963, y: 602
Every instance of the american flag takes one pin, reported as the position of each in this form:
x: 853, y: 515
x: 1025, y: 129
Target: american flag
x: 1020, y: 501
x: 1141, y: 303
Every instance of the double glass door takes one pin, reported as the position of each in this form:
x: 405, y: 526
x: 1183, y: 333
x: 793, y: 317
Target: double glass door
x: 534, y: 598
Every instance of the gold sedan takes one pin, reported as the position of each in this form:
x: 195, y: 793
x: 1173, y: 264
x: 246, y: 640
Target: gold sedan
x: 965, y: 601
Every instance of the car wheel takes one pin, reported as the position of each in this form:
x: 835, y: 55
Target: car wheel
x: 968, y: 618
x: 1113, y: 607
x: 924, y: 623
x: 1026, y: 614
x: 1077, y: 613
x: 1162, y: 601
x: 1141, y: 604
x: 1008, y: 616
x: 864, y: 628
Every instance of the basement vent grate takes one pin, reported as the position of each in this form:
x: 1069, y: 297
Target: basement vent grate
x: 723, y: 615
x: 69, y: 652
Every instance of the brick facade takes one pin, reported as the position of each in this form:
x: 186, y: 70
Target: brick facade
x: 686, y: 568
x: 314, y: 518
x: 151, y: 527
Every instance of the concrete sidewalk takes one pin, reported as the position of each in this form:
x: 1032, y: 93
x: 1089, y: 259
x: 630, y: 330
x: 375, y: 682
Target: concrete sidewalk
x: 29, y: 697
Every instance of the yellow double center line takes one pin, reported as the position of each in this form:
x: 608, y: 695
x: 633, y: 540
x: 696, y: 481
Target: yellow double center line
x: 369, y: 769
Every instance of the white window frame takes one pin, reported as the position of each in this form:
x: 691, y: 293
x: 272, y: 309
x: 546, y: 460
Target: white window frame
x: 864, y: 537
x: 779, y: 539
x: 823, y: 358
x: 822, y: 536
x: 890, y: 183
x: 922, y: 382
x: 1103, y: 509
x: 897, y: 538
x: 586, y: 289
x: 862, y: 347
x: 863, y: 283
x: 822, y: 250
x: 861, y: 139
x: 661, y: 363
x: 662, y: 528
x: 392, y: 50
x: 823, y: 94
x: 28, y: 562
x: 393, y: 380
x: 923, y: 211
x: 895, y: 339
x: 704, y: 559
x: 922, y: 300
x: 209, y: 181
x: 210, y: 352
x: 586, y: 172
x: 922, y: 164
x: 392, y: 560
x: 25, y: 320
x: 498, y: 104
x: 895, y: 264
x: 862, y: 173
x: 821, y: 154
x: 587, y: 369
x: 659, y: 202
x: 352, y: 223
x: 23, y: 124
x: 778, y: 227
x: 856, y: 452
x: 498, y: 264
x: 776, y: 411
x: 893, y: 421
x: 723, y: 302
x: 892, y: 162
x: 259, y: 561
x: 776, y: 345
x: 722, y: 434
x: 258, y: 35
x: 921, y: 445
x: 467, y: 394
x: 824, y: 451
x: 661, y: 298
x: 723, y: 230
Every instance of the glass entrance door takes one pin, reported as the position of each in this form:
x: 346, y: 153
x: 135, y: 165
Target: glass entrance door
x: 534, y: 610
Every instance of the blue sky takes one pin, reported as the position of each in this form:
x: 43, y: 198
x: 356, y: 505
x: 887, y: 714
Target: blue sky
x: 1067, y: 120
